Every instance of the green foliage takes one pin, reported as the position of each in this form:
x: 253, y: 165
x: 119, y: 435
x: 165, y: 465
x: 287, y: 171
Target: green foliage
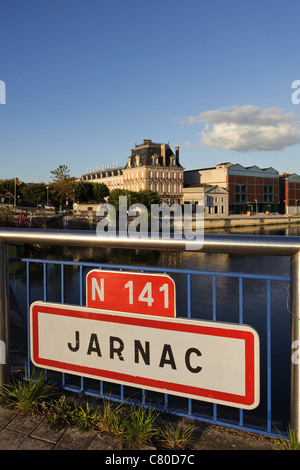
x: 100, y: 192
x: 111, y: 419
x: 7, y: 190
x: 291, y: 443
x: 34, y: 193
x: 59, y: 413
x: 85, y: 191
x: 61, y: 173
x: 145, y: 197
x: 6, y: 218
x: 139, y: 426
x: 29, y: 394
x: 176, y: 436
x: 133, y: 425
x: 85, y: 417
x: 63, y: 186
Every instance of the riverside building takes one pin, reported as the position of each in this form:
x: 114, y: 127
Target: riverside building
x: 249, y: 188
x: 151, y: 166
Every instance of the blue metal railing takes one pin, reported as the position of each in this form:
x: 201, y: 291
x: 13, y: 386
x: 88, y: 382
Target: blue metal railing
x: 262, y: 423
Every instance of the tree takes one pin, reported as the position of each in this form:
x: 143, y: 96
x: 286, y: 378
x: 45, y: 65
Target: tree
x: 7, y: 190
x: 145, y: 197
x: 62, y: 186
x: 61, y: 173
x: 34, y: 193
x: 83, y: 191
x: 100, y: 192
x: 86, y: 191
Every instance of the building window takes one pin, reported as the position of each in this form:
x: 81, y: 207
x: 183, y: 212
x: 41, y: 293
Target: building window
x: 268, y: 194
x: 241, y: 193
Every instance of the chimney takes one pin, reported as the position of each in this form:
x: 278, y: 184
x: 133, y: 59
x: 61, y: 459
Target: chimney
x: 177, y: 152
x: 128, y: 162
x: 163, y: 153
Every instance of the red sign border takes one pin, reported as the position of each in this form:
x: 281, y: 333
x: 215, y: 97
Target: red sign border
x: 249, y: 401
x: 138, y: 275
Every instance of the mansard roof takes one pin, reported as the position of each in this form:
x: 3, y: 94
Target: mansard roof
x: 144, y: 154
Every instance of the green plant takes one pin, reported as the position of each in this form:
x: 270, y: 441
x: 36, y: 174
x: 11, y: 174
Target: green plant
x: 139, y: 426
x: 86, y: 418
x: 176, y: 436
x: 291, y: 443
x: 28, y: 394
x: 110, y: 420
x: 59, y: 413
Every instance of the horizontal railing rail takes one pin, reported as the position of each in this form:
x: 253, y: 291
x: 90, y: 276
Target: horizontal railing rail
x: 248, y: 244
x: 242, y: 244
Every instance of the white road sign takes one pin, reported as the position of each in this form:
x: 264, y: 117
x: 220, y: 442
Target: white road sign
x: 209, y: 361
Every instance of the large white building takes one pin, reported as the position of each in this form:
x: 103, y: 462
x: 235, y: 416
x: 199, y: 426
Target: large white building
x: 150, y: 166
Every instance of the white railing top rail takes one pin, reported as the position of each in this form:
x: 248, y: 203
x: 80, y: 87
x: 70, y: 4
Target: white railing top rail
x: 217, y: 243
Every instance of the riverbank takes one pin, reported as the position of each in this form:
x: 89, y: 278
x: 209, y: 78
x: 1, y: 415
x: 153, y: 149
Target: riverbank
x: 243, y: 220
x: 73, y: 221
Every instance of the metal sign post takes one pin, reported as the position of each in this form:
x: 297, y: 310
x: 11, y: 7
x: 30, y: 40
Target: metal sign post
x: 295, y: 337
x: 4, y: 324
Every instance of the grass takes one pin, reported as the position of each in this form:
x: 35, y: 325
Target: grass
x: 29, y: 394
x: 140, y: 426
x: 133, y: 425
x: 177, y: 436
x: 288, y: 444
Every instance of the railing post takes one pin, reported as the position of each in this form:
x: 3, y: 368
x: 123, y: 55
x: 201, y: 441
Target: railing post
x: 295, y: 344
x: 4, y: 323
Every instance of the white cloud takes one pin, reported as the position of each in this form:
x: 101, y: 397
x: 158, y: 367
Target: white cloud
x: 247, y: 128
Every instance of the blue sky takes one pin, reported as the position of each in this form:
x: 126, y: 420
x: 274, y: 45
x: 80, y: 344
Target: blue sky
x: 88, y: 79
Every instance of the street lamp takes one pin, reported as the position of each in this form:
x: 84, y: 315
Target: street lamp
x: 297, y: 200
x: 47, y: 187
x: 255, y: 205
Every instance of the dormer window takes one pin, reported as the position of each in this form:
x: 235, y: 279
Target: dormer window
x: 155, y: 160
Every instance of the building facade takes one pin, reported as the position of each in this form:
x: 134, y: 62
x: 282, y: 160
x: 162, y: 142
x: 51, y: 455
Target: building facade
x: 289, y: 185
x: 249, y: 188
x: 155, y: 167
x: 112, y: 176
x: 213, y: 198
x: 150, y: 166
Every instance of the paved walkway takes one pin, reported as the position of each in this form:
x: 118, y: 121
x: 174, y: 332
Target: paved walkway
x: 33, y: 433
x: 19, y: 432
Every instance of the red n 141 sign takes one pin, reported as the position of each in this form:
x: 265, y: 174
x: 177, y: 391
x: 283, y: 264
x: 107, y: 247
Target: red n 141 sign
x: 122, y: 291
